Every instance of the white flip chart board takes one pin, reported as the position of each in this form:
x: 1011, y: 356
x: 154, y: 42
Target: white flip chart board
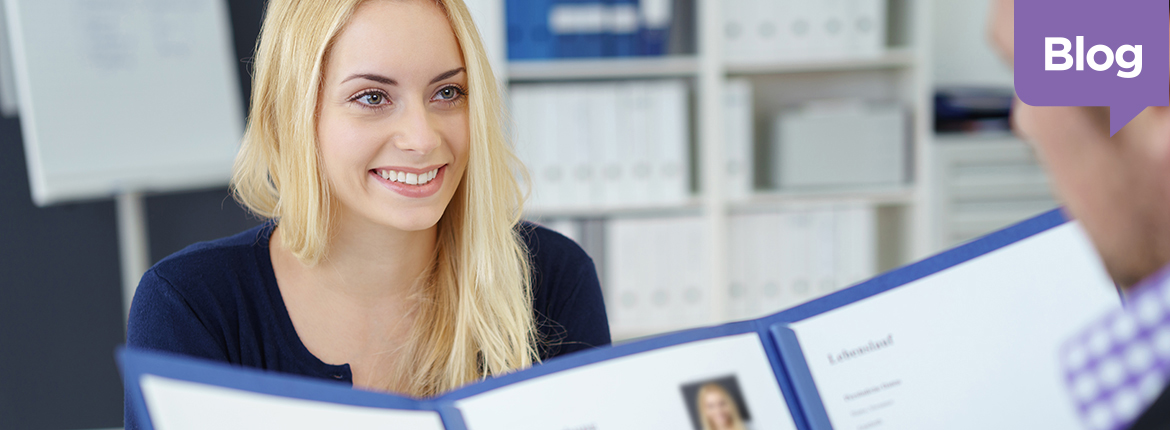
x: 8, y: 106
x: 124, y: 95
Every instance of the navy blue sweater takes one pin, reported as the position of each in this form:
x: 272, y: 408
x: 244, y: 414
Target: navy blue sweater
x: 219, y: 300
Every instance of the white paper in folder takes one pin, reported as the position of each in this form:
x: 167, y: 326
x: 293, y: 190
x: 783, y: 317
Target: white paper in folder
x: 121, y: 95
x: 974, y: 346
x: 185, y: 405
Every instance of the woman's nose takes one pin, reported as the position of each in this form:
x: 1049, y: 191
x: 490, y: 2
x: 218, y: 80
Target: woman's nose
x: 416, y: 133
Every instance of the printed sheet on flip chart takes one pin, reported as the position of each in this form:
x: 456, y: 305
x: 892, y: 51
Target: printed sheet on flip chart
x: 971, y: 347
x: 641, y: 391
x: 181, y: 405
x: 124, y: 95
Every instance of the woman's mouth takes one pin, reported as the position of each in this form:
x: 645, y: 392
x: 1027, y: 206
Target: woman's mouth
x: 408, y: 178
x: 415, y: 184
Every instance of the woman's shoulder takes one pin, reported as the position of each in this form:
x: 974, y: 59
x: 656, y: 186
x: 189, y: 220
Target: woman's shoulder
x: 219, y: 256
x: 207, y: 278
x: 191, y: 301
x: 566, y: 293
x: 547, y: 247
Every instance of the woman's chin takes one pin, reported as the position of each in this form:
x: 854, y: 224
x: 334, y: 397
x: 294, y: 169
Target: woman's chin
x: 416, y: 223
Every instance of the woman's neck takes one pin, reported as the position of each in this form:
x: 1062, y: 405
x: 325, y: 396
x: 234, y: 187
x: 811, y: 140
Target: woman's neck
x: 356, y: 305
x: 368, y: 262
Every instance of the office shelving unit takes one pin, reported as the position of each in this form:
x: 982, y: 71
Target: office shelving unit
x: 607, y: 68
x: 900, y: 74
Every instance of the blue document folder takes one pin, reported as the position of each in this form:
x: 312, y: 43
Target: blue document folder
x: 529, y: 37
x: 869, y: 355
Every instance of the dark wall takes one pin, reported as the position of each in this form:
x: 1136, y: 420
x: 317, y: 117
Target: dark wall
x: 60, y: 281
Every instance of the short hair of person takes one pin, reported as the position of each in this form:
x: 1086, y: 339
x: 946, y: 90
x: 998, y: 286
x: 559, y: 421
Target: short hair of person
x: 475, y: 317
x: 712, y: 387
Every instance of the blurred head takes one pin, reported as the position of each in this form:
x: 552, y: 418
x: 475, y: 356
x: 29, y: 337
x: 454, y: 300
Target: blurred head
x: 347, y: 90
x: 1117, y: 187
x: 717, y: 410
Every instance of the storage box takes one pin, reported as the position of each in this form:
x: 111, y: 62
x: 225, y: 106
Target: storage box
x: 839, y: 144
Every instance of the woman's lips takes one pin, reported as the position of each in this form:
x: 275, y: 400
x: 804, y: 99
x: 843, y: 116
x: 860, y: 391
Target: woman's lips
x: 406, y: 181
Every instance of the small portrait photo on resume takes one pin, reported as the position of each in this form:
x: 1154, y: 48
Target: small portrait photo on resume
x: 716, y: 404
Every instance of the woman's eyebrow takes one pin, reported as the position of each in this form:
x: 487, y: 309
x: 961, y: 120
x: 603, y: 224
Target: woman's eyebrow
x: 370, y: 76
x: 389, y: 81
x: 446, y: 75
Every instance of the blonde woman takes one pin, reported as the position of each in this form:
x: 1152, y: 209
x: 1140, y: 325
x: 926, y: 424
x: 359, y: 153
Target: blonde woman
x: 717, y: 409
x: 393, y: 258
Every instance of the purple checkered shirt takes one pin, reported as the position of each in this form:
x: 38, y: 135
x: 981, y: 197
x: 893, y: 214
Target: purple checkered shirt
x: 1118, y: 365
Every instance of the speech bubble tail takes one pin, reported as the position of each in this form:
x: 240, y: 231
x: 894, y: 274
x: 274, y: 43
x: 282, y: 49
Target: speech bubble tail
x: 1119, y: 116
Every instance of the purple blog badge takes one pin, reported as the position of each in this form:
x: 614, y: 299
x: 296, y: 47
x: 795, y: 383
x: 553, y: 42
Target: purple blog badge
x: 1112, y: 53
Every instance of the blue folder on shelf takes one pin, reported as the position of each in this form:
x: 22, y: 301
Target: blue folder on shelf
x: 655, y: 27
x: 583, y: 37
x: 621, y: 39
x: 966, y: 339
x: 529, y: 37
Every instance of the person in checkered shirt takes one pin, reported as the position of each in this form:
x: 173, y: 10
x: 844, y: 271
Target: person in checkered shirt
x: 1119, y: 189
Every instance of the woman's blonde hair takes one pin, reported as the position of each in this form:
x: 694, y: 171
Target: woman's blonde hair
x: 475, y: 315
x: 714, y: 388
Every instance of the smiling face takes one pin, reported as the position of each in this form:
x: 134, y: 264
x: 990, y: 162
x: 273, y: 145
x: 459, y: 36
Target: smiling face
x: 717, y: 407
x: 393, y: 120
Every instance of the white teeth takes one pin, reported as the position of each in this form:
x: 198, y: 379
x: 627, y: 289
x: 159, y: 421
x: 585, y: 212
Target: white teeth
x: 409, y: 178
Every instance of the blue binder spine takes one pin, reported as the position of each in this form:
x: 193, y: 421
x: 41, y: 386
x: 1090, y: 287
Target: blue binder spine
x: 577, y: 27
x: 803, y: 387
x: 655, y: 22
x: 622, y: 35
x: 452, y: 418
x: 529, y: 37
x: 518, y: 43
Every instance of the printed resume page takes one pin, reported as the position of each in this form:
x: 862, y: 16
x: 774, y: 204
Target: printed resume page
x: 975, y: 346
x: 665, y: 388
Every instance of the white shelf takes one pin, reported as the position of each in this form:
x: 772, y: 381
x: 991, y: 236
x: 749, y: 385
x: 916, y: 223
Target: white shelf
x: 692, y: 206
x: 898, y: 74
x: 687, y: 66
x: 603, y: 68
x: 885, y: 196
x: 892, y: 59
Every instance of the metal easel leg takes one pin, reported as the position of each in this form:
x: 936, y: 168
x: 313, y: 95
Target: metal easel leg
x: 133, y: 248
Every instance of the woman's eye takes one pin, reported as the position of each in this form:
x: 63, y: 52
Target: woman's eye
x: 449, y: 93
x: 373, y: 99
